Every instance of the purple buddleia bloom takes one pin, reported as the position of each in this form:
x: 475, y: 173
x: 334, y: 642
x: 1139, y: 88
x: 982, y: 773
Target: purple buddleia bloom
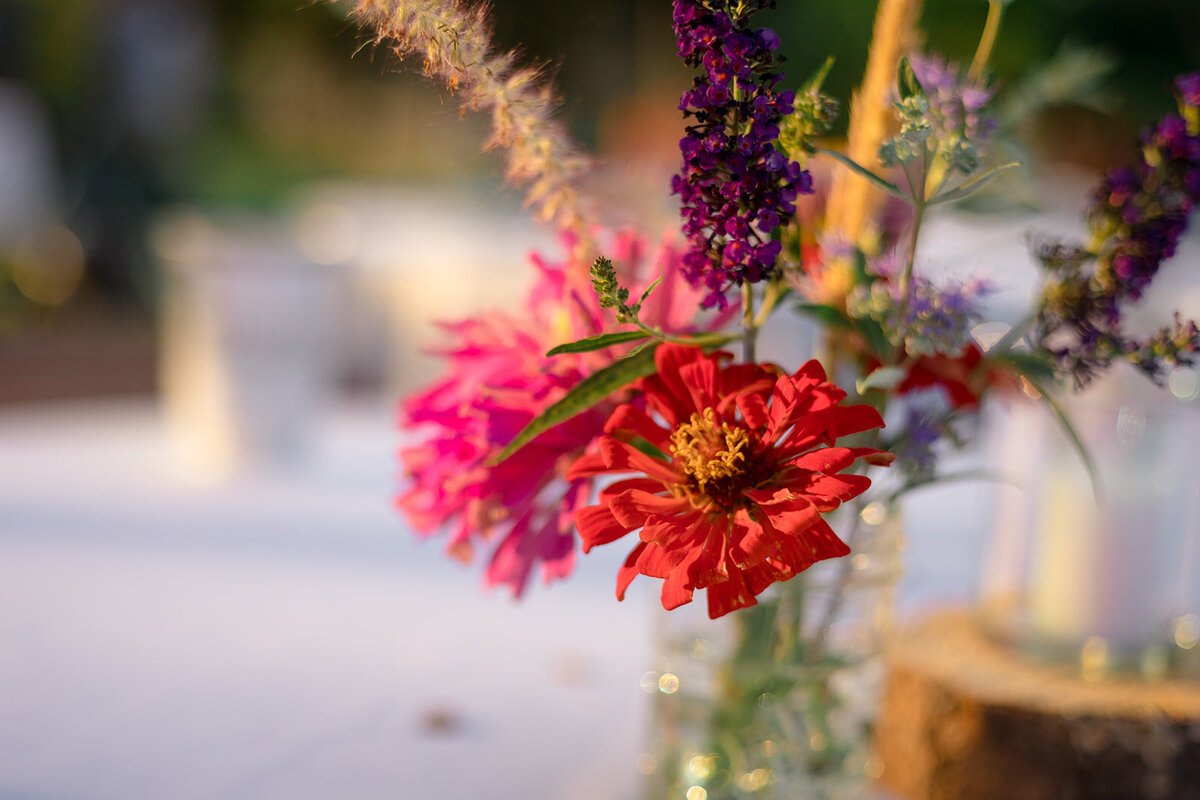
x: 936, y: 320
x: 923, y: 428
x: 1135, y: 221
x: 952, y: 113
x: 735, y: 186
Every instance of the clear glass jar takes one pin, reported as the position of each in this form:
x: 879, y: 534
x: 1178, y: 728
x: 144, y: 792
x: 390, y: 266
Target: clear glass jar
x: 779, y: 700
x: 1104, y: 573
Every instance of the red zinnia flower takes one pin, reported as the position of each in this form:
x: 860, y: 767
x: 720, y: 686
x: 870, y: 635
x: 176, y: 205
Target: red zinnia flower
x: 748, y: 466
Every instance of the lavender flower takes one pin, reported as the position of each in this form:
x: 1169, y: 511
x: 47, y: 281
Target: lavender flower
x: 923, y: 428
x: 1135, y: 220
x: 735, y: 186
x: 936, y: 320
x: 947, y: 116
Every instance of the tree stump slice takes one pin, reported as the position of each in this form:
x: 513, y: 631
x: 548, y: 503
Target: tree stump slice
x: 965, y: 718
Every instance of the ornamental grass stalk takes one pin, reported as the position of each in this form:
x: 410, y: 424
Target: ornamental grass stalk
x: 454, y: 42
x: 853, y: 202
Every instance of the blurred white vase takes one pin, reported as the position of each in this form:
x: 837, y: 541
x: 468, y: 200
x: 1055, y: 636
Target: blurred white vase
x: 246, y: 330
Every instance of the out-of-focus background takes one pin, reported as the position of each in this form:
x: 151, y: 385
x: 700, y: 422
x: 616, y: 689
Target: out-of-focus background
x: 130, y: 125
x: 224, y: 230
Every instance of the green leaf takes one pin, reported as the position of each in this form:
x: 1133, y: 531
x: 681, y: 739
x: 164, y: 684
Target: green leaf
x: 587, y: 393
x: 886, y: 186
x: 639, y: 348
x: 873, y: 332
x: 1031, y: 365
x: 813, y: 84
x: 649, y: 449
x: 972, y: 186
x: 907, y: 84
x: 861, y: 276
x: 884, y: 378
x: 826, y: 315
x: 650, y: 288
x: 598, y: 342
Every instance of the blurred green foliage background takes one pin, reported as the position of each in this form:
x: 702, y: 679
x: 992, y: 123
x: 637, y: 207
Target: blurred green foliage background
x: 228, y: 102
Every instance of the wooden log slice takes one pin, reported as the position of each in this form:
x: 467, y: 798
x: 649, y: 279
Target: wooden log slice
x: 965, y: 718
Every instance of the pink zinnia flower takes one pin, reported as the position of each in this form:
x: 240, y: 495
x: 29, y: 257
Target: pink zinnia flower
x: 498, y: 379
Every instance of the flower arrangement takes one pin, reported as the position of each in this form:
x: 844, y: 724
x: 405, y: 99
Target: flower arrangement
x: 613, y: 410
x: 736, y: 465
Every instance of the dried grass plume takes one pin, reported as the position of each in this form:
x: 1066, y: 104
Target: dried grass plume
x: 852, y: 200
x: 454, y: 41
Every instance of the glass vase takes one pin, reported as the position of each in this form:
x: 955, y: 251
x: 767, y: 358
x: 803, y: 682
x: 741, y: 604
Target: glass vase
x: 1100, y: 570
x: 779, y: 700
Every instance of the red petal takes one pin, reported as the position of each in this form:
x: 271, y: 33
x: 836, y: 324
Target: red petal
x: 729, y: 596
x: 795, y: 554
x: 758, y: 578
x: 848, y: 420
x: 658, y: 562
x: 794, y: 517
x: 671, y: 531
x: 754, y: 410
x: 662, y: 399
x: 635, y: 420
x: 751, y: 543
x: 671, y: 359
x: 586, y: 466
x: 745, y: 377
x: 837, y: 487
x: 826, y: 459
x: 825, y: 426
x: 811, y: 370
x: 679, y: 585
x: 597, y: 526
x: 645, y: 484
x: 835, y: 459
x: 633, y: 507
x: 824, y: 543
x: 879, y: 458
x: 622, y: 457
x: 701, y: 378
x: 628, y: 571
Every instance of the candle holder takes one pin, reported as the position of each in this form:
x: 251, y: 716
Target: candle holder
x: 1100, y: 569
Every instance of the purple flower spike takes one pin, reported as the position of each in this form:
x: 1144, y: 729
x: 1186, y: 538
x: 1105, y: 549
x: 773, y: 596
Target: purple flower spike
x: 1136, y: 218
x: 735, y: 185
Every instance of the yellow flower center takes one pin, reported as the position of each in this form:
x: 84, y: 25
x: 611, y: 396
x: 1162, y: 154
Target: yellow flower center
x: 709, y: 453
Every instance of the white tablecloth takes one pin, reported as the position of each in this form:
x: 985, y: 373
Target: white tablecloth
x: 284, y: 636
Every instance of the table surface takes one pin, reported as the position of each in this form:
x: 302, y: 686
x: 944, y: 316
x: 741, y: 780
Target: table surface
x: 283, y: 635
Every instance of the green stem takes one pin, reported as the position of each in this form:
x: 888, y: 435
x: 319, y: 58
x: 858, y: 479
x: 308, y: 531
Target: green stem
x: 749, y: 323
x: 699, y: 340
x: 987, y: 40
x: 836, y: 597
x: 1006, y: 342
x: 911, y: 257
x: 771, y: 297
